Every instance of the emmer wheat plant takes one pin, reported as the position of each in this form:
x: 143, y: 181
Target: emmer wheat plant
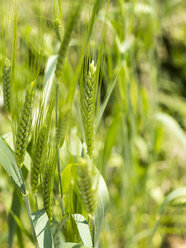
x: 24, y: 125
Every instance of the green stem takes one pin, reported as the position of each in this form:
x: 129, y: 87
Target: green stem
x: 60, y: 183
x: 29, y: 216
x: 91, y: 222
x: 36, y: 201
x: 58, y: 157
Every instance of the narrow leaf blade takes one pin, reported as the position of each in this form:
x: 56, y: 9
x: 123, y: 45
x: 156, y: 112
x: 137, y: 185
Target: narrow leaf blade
x: 42, y: 229
x: 102, y: 208
x: 103, y: 106
x: 83, y: 229
x: 7, y: 160
x: 72, y: 245
x: 180, y: 192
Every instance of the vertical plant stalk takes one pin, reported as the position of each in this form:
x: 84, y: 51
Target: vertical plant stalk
x: 58, y: 157
x: 7, y: 85
x: 30, y: 220
x: 60, y: 183
x: 24, y: 125
x: 88, y: 102
x: 14, y: 45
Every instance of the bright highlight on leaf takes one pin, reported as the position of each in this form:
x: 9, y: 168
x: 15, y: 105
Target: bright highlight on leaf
x: 9, y: 163
x: 42, y: 229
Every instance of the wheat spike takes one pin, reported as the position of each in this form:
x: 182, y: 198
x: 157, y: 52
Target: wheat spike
x: 85, y: 185
x: 7, y: 84
x: 61, y: 129
x: 47, y: 189
x: 58, y: 28
x: 66, y: 39
x: 88, y: 102
x: 37, y: 159
x: 24, y: 125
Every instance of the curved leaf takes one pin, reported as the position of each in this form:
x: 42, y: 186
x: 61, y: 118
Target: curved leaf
x: 102, y: 198
x: 72, y: 245
x: 49, y: 76
x: 42, y: 229
x: 7, y: 160
x: 83, y: 229
x: 180, y: 192
x: 171, y: 125
x: 102, y: 208
x: 103, y: 106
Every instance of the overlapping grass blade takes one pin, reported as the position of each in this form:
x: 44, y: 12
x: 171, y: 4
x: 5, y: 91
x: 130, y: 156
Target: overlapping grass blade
x: 42, y: 229
x: 9, y: 163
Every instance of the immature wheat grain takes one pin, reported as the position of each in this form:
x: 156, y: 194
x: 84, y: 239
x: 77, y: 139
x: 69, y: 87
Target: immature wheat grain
x: 47, y: 189
x: 7, y: 84
x: 61, y: 129
x: 24, y: 125
x: 67, y: 37
x: 85, y: 185
x: 88, y: 102
x: 58, y: 28
x: 37, y: 159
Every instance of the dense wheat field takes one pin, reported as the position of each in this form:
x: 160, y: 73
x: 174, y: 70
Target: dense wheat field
x: 93, y: 123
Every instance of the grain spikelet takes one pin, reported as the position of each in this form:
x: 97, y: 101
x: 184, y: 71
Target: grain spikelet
x: 67, y: 37
x: 88, y: 102
x: 37, y: 159
x: 24, y: 125
x: 6, y: 84
x: 58, y: 28
x: 85, y: 184
x: 47, y: 188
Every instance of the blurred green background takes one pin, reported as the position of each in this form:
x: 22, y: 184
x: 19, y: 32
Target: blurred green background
x: 141, y: 142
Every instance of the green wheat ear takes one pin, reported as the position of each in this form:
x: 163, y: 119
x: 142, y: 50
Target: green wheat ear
x: 47, y: 188
x: 37, y: 158
x: 58, y: 28
x: 85, y: 185
x: 7, y: 84
x: 61, y: 129
x: 67, y: 37
x: 24, y: 125
x: 88, y: 102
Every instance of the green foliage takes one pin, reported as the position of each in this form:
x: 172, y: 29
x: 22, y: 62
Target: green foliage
x: 42, y: 229
x: 99, y: 141
x: 8, y: 162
